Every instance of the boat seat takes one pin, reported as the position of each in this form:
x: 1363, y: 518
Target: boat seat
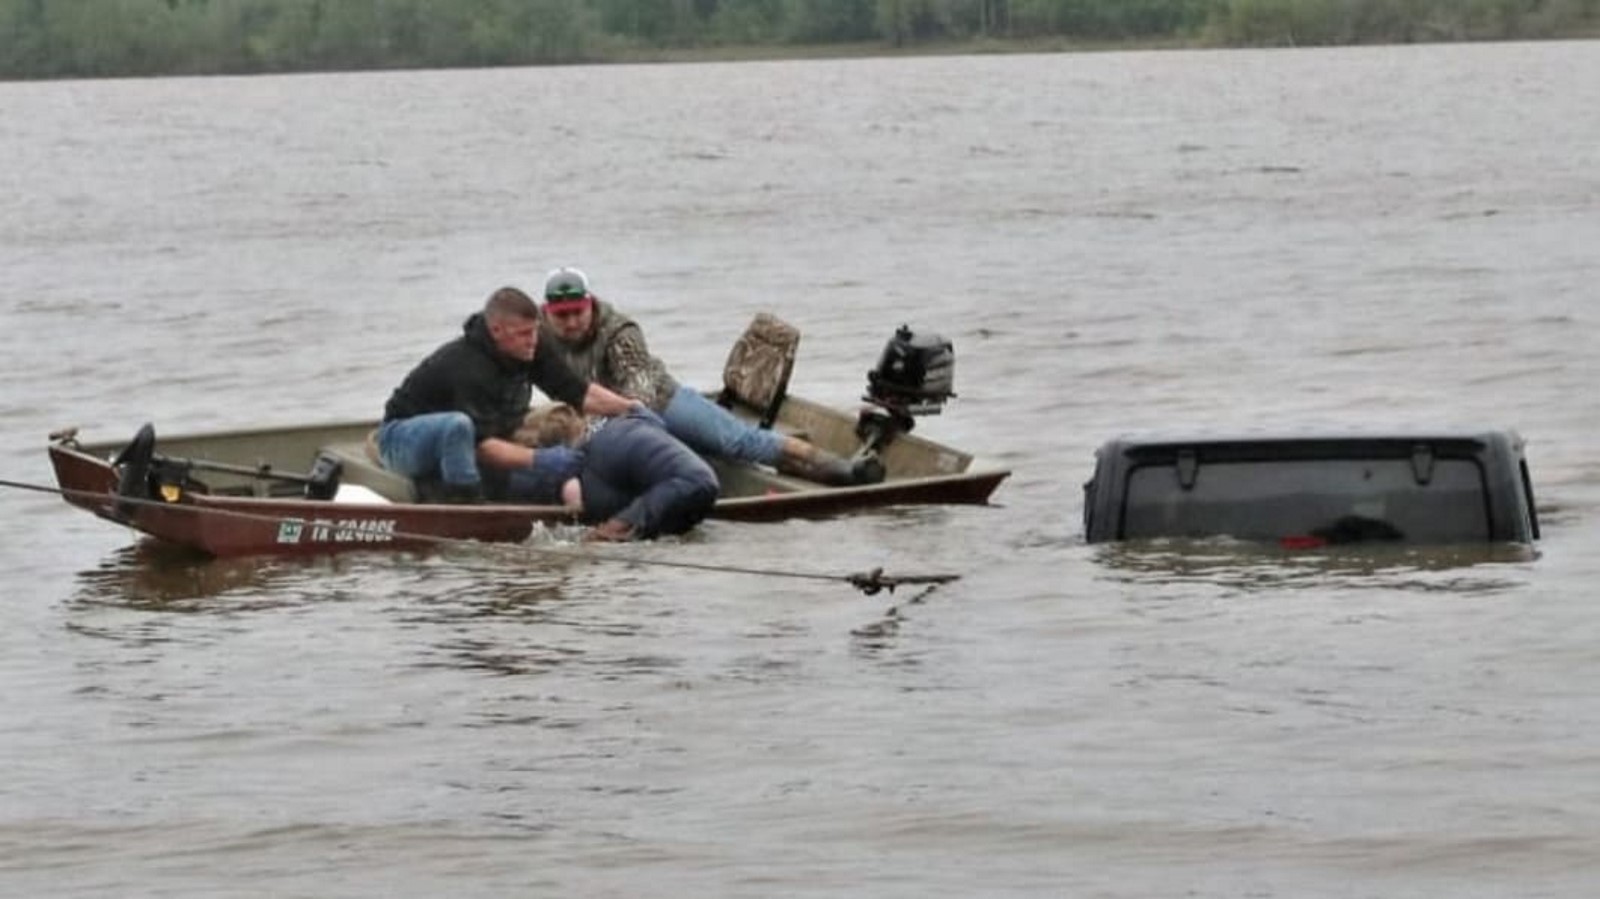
x: 355, y: 493
x: 759, y: 365
x: 360, y: 466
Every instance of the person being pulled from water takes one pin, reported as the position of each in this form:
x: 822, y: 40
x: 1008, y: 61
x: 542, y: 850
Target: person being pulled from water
x: 602, y: 344
x: 449, y: 424
x: 636, y: 482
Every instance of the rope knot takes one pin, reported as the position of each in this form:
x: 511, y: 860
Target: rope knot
x: 872, y: 582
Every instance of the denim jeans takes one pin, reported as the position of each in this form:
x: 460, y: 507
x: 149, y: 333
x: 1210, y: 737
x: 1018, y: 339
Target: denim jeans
x: 435, y: 445
x: 635, y: 471
x: 714, y: 431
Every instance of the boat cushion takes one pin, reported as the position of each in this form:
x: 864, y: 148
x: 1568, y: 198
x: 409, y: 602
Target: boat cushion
x: 759, y: 365
x: 355, y: 493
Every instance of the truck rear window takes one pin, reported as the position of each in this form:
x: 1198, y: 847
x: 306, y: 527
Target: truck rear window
x: 1336, y: 500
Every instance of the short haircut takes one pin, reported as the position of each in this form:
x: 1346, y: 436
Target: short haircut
x: 509, y: 302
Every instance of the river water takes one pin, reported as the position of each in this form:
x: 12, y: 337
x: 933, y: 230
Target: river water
x: 1396, y: 236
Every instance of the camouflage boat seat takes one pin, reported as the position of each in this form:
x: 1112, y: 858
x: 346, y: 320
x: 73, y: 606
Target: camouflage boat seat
x: 757, y: 372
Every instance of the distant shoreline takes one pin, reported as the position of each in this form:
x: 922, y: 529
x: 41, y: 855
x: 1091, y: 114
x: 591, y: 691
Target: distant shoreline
x: 878, y: 49
x: 766, y: 52
x: 1003, y: 46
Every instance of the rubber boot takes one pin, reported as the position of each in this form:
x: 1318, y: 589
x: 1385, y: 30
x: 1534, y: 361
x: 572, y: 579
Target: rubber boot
x: 463, y: 494
x: 803, y: 460
x: 440, y: 492
x: 868, y: 468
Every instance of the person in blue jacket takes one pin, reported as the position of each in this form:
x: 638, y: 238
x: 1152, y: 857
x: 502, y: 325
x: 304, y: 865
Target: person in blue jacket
x: 636, y: 481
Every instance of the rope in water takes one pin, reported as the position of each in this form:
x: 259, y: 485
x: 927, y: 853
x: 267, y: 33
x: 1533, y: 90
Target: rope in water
x: 868, y: 582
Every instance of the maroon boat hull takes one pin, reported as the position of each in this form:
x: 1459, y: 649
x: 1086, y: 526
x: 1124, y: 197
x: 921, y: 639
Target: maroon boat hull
x: 225, y: 526
x: 237, y: 526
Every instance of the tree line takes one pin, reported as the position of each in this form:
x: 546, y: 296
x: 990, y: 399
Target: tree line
x: 97, y: 38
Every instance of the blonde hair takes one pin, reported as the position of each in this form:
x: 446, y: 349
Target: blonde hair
x: 554, y: 424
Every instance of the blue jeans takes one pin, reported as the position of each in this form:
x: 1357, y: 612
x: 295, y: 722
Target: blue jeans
x: 436, y: 445
x: 714, y: 431
x: 635, y: 471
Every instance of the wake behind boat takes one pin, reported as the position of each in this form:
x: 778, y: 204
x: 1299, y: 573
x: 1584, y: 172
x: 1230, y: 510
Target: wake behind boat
x: 314, y: 488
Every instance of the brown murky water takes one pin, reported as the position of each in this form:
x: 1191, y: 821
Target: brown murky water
x: 1112, y: 241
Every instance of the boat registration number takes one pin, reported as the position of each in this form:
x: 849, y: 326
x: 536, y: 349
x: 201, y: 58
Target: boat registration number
x: 345, y: 530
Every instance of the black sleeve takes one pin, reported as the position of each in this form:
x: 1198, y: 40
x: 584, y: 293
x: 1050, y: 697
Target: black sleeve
x: 551, y: 374
x: 481, y: 404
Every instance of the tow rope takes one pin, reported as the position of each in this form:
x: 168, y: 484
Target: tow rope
x: 868, y: 582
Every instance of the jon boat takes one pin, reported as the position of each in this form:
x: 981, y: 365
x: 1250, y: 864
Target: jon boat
x: 312, y: 489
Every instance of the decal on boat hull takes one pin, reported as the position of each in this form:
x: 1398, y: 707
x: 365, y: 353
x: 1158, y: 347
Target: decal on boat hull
x: 344, y: 530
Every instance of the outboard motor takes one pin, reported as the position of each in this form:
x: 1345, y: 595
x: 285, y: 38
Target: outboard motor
x: 915, y: 375
x: 133, y: 465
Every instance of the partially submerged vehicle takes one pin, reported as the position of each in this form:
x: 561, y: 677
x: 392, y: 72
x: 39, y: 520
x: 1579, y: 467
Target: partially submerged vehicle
x: 316, y: 488
x: 1302, y: 490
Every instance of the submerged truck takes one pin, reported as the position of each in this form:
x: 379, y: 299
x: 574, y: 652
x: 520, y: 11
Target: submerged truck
x: 1314, y: 488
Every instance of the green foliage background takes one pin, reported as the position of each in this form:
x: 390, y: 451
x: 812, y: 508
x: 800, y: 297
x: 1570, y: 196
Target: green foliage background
x: 87, y: 38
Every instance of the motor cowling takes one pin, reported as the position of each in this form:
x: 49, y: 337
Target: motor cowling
x: 915, y: 375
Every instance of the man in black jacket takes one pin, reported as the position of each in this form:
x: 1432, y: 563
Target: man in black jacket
x: 449, y: 423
